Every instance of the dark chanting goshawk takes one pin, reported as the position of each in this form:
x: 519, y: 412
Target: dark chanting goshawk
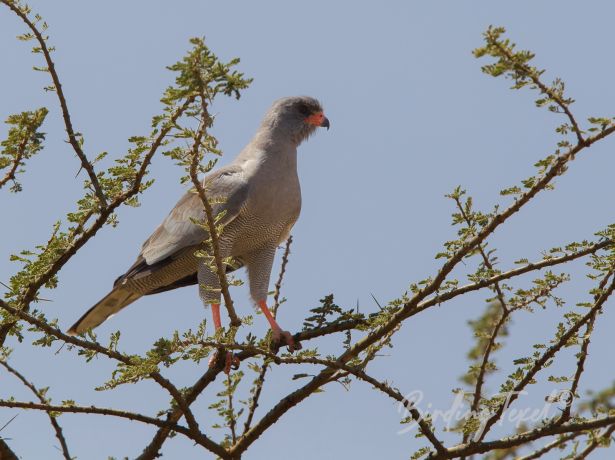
x: 260, y: 196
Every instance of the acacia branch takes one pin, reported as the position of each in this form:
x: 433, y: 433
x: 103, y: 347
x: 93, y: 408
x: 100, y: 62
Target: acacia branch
x: 30, y: 293
x: 595, y: 443
x: 199, y: 438
x: 260, y: 379
x: 550, y: 446
x: 211, y: 221
x: 534, y: 266
x: 151, y: 450
x: 95, y: 347
x: 547, y: 355
x: 496, y: 330
x: 72, y: 138
x: 360, y: 374
x: 10, y: 174
x: 408, y: 309
x: 544, y: 89
x: 52, y: 419
x: 524, y: 438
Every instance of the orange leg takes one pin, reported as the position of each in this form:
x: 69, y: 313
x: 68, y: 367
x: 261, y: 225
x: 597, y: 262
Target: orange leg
x: 231, y: 360
x: 280, y: 337
x: 215, y: 312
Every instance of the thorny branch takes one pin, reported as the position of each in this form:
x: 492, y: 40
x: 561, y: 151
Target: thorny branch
x: 550, y: 446
x: 496, y: 329
x: 565, y: 416
x: 260, y: 379
x: 533, y: 75
x: 30, y: 293
x: 524, y: 438
x: 197, y: 437
x: 10, y: 174
x: 359, y: 352
x: 410, y: 307
x: 52, y: 419
x: 209, y: 213
x: 548, y: 354
x: 72, y: 137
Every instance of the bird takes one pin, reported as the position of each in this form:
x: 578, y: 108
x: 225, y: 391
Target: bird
x: 258, y: 200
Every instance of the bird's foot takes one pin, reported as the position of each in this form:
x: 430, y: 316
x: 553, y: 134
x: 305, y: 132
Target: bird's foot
x: 231, y: 361
x: 281, y: 338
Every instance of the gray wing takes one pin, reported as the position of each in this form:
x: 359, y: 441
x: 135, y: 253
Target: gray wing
x: 226, y: 189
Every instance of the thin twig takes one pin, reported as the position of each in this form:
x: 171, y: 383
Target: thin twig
x: 30, y: 293
x: 156, y: 376
x: 10, y: 175
x: 211, y: 219
x: 260, y: 379
x: 546, y: 356
x: 52, y: 419
x: 496, y: 330
x: 72, y: 138
x: 533, y: 266
x: 201, y: 439
x: 524, y: 438
x: 595, y: 443
x: 544, y: 89
x: 565, y: 416
x: 278, y: 284
x: 232, y: 420
x: 550, y: 446
x: 408, y: 309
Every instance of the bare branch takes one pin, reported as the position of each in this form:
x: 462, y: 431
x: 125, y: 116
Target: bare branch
x: 278, y: 284
x: 199, y: 438
x: 523, y: 438
x: 156, y: 376
x: 52, y: 419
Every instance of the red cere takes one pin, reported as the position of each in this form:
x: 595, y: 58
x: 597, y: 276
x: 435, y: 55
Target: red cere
x: 315, y: 119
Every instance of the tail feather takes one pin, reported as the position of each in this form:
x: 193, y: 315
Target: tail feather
x: 113, y: 302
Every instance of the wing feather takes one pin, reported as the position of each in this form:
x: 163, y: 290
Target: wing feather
x: 227, y: 191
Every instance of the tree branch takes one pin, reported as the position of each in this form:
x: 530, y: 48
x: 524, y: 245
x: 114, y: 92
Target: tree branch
x: 550, y: 446
x: 199, y: 438
x: 30, y: 293
x: 523, y: 438
x: 10, y: 174
x: 544, y: 89
x: 72, y: 138
x: 547, y: 355
x: 156, y: 376
x: 52, y: 419
x: 211, y: 219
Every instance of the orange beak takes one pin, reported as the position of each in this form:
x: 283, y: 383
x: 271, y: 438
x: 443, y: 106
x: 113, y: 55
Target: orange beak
x: 318, y: 119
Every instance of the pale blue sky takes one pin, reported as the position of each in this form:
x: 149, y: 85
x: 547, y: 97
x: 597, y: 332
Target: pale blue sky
x: 412, y: 116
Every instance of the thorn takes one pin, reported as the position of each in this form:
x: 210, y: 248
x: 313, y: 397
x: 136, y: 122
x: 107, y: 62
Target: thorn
x: 376, y: 300
x: 9, y: 422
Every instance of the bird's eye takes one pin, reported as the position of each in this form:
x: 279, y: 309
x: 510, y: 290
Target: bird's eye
x: 304, y: 110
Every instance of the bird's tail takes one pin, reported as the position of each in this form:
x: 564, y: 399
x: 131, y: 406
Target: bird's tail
x: 113, y: 302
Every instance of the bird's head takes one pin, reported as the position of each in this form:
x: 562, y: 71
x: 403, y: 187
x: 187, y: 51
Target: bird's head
x: 295, y: 118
